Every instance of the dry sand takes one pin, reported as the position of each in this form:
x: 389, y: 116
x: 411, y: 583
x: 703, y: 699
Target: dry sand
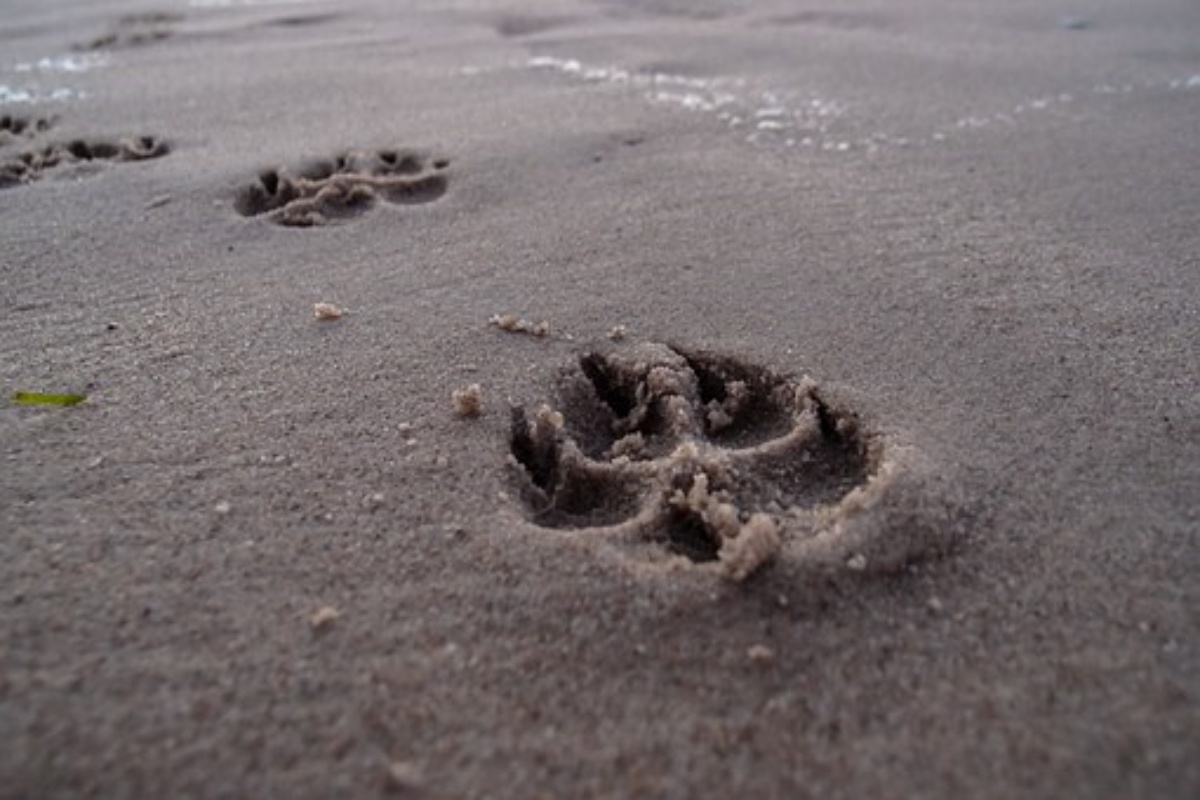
x: 266, y: 558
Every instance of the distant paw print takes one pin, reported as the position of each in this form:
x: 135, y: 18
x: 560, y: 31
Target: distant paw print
x: 709, y: 457
x: 16, y: 127
x: 345, y: 186
x: 31, y: 165
x: 134, y: 30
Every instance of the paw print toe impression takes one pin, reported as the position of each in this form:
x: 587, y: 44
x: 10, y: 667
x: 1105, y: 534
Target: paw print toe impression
x: 710, y: 458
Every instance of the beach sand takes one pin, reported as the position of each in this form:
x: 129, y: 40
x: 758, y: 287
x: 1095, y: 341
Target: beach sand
x: 853, y: 353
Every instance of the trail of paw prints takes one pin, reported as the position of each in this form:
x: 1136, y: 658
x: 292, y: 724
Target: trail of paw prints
x: 134, y: 30
x: 343, y: 187
x: 33, y: 164
x: 680, y: 454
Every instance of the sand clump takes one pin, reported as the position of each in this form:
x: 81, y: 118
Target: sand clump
x: 760, y: 655
x: 720, y: 414
x: 756, y: 543
x: 511, y: 323
x: 403, y: 777
x: 743, y: 547
x: 327, y: 312
x: 468, y: 401
x: 323, y: 618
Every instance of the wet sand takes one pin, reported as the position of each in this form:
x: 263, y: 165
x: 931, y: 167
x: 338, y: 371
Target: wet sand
x: 857, y: 427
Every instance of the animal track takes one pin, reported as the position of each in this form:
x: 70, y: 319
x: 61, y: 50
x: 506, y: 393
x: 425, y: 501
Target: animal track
x: 29, y: 165
x: 134, y: 30
x: 326, y: 191
x: 22, y: 127
x: 711, y: 458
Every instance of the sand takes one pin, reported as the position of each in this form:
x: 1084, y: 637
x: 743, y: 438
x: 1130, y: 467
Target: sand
x: 903, y: 293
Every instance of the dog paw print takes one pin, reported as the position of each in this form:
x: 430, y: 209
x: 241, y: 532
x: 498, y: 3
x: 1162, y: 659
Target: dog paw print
x: 349, y: 185
x: 705, y: 456
x: 32, y: 164
x: 15, y: 127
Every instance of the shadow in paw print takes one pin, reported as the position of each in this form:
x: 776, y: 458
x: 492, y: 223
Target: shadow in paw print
x: 741, y: 405
x: 709, y: 456
x: 33, y: 164
x: 348, y: 185
x: 564, y: 489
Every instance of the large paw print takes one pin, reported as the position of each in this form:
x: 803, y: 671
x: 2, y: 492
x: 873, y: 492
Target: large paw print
x: 710, y: 458
x: 345, y: 186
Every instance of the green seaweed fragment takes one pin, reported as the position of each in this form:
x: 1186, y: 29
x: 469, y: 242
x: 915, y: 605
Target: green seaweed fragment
x: 43, y: 399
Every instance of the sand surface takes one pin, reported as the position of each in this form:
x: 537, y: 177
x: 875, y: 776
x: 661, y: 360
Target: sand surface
x: 910, y: 325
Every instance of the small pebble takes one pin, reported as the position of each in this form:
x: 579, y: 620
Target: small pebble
x: 326, y: 311
x: 223, y: 508
x: 324, y: 618
x: 857, y: 562
x: 761, y: 655
x: 403, y: 776
x: 505, y: 322
x: 514, y: 324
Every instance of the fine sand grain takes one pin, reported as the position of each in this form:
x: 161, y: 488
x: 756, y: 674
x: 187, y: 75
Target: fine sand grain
x: 851, y: 447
